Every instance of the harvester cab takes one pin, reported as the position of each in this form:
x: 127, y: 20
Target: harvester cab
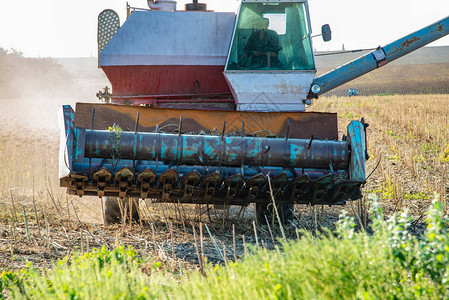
x: 209, y: 108
x: 270, y: 64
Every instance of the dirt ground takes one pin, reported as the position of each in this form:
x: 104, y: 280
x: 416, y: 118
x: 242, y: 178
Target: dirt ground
x: 39, y: 223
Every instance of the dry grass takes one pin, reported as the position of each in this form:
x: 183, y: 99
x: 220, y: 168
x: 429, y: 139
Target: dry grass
x: 409, y: 135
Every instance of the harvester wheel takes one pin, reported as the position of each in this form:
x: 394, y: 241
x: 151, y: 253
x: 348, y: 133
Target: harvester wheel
x: 285, y: 211
x: 113, y: 212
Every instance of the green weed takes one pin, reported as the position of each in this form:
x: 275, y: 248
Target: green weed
x: 115, y: 141
x: 444, y: 154
x: 387, y: 262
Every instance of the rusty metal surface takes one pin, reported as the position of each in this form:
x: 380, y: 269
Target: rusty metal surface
x: 299, y: 187
x: 315, y: 193
x: 302, y: 124
x: 207, y: 150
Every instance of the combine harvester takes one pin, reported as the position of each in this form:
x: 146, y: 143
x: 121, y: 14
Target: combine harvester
x: 209, y: 108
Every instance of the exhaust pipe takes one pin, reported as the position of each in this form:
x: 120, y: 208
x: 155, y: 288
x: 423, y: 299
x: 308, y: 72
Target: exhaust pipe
x: 162, y: 5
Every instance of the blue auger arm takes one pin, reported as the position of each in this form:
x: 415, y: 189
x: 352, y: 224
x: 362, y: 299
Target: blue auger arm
x: 379, y: 57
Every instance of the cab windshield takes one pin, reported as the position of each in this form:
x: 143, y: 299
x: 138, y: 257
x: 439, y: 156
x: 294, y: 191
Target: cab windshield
x: 271, y: 36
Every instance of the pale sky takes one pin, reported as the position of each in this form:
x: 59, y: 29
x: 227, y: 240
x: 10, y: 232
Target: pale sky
x: 62, y: 28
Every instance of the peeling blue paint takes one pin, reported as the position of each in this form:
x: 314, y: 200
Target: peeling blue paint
x: 295, y: 151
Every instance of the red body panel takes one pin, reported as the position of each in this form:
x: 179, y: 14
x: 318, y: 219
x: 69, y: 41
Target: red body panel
x: 159, y: 82
x: 188, y: 87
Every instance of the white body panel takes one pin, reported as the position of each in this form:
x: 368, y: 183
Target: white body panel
x: 270, y: 91
x: 64, y: 169
x: 171, y: 38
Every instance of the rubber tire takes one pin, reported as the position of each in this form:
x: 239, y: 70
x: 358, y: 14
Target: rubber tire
x: 112, y: 212
x: 286, y: 213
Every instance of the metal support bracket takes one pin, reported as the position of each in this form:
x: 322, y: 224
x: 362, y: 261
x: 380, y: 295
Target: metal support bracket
x: 78, y: 182
x: 123, y: 179
x: 144, y: 180
x: 168, y: 180
x: 380, y: 57
x: 101, y: 178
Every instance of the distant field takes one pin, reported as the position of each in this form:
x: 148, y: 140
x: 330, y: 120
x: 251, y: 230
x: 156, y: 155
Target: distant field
x: 425, y: 71
x: 425, y: 55
x: 399, y: 79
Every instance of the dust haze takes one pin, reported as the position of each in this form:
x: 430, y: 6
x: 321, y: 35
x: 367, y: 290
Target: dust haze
x: 32, y: 90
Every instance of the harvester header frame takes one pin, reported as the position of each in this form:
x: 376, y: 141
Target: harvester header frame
x: 209, y: 107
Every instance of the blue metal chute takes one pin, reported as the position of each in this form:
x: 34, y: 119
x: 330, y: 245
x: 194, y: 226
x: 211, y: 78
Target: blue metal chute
x: 381, y: 56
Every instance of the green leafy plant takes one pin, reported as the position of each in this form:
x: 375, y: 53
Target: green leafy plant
x: 116, y: 146
x: 386, y: 261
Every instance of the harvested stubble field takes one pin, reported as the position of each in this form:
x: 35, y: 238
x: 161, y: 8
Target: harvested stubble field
x: 400, y: 80
x: 409, y: 160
